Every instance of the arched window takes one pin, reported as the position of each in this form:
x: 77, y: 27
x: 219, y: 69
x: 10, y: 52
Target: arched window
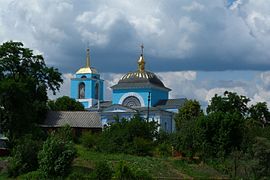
x: 83, y: 76
x: 81, y: 91
x: 97, y: 91
x: 131, y: 101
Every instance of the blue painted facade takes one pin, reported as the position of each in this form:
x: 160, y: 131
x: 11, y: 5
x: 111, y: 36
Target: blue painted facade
x: 90, y: 81
x: 156, y: 95
x: 125, y: 96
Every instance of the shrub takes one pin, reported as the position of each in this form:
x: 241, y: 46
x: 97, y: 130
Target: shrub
x: 64, y: 133
x: 56, y: 156
x: 89, y: 140
x: 163, y: 150
x: 261, y: 150
x: 123, y: 172
x: 103, y: 171
x: 141, y: 147
x: 128, y: 136
x: 33, y: 175
x: 24, y: 156
x: 81, y: 172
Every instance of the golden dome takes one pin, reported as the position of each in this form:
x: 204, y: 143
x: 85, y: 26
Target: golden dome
x: 141, y: 63
x: 140, y: 78
x: 87, y: 69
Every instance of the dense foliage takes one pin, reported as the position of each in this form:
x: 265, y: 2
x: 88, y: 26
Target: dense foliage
x: 24, y: 81
x: 187, y: 139
x: 65, y: 103
x: 134, y: 136
x: 57, y: 154
x: 24, y: 156
x: 232, y: 134
x: 190, y: 110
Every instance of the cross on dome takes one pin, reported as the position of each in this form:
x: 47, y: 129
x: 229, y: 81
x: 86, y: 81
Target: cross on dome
x: 141, y: 62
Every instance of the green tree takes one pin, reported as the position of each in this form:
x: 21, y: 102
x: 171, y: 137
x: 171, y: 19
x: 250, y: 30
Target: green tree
x: 187, y: 139
x: 24, y: 156
x: 223, y: 127
x: 24, y: 81
x: 65, y: 103
x: 134, y: 136
x: 229, y: 103
x: 261, y: 150
x: 221, y: 133
x: 190, y: 110
x: 57, y: 154
x: 259, y: 113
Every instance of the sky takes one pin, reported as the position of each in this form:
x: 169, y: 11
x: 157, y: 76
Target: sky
x: 196, y: 47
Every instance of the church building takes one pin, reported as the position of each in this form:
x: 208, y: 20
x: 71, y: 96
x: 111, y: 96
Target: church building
x: 139, y: 92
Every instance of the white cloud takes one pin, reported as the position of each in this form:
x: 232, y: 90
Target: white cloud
x: 65, y: 87
x: 194, y: 6
x: 265, y: 77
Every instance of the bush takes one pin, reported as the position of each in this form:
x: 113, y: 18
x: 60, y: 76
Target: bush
x: 64, y: 133
x: 81, y: 172
x: 89, y: 140
x: 33, y: 175
x: 128, y: 136
x: 103, y: 171
x: 141, y: 147
x: 56, y: 156
x: 124, y: 172
x: 24, y: 156
x: 261, y: 150
x: 163, y: 150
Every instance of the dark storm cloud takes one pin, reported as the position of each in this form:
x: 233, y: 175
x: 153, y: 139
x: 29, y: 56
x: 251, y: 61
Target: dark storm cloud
x: 178, y: 35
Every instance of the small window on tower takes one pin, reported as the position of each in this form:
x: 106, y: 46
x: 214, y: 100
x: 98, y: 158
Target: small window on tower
x: 81, y: 91
x: 97, y: 91
x: 83, y: 77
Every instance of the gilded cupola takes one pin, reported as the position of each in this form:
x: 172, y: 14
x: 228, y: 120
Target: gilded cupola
x: 139, y: 78
x: 87, y: 69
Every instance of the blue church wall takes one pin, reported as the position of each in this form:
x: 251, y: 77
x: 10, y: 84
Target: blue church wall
x: 85, y: 104
x: 100, y: 89
x: 165, y: 120
x: 89, y: 86
x: 96, y: 76
x: 156, y: 95
x: 75, y: 85
x: 166, y: 123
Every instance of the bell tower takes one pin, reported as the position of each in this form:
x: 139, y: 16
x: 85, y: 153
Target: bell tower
x: 86, y: 86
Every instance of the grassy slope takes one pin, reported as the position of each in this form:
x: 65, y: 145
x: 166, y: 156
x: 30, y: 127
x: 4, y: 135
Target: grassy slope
x: 163, y: 168
x: 157, y: 167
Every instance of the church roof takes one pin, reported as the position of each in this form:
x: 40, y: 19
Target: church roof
x: 140, y: 78
x: 79, y: 119
x: 87, y: 70
x: 102, y: 105
x: 170, y: 103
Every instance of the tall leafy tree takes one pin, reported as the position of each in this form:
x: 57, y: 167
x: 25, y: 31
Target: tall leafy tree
x: 190, y: 110
x: 229, y: 103
x: 223, y: 127
x: 187, y: 138
x: 65, y: 103
x: 24, y: 81
x: 260, y: 114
